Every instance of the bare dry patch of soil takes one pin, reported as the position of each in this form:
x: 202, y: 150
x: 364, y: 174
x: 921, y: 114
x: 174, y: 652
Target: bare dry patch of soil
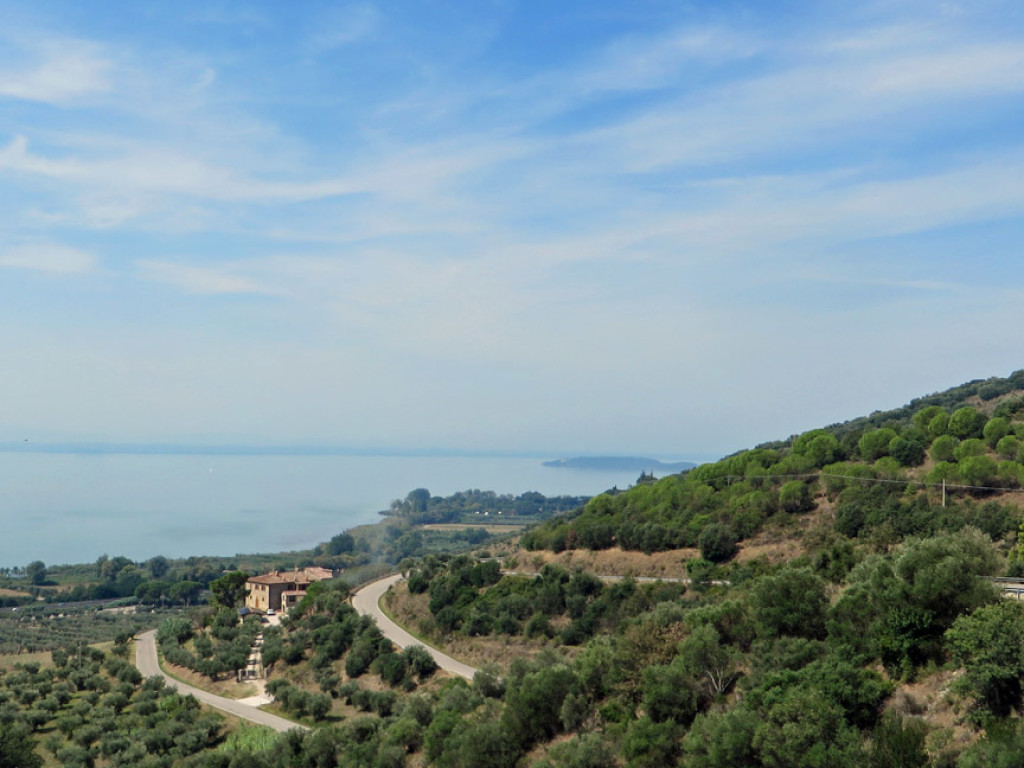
x: 769, y: 549
x: 611, y: 562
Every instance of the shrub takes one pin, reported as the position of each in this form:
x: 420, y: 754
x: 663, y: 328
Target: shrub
x: 795, y: 497
x: 420, y: 662
x: 979, y: 471
x: 539, y: 626
x: 417, y: 582
x: 1008, y: 447
x: 391, y: 667
x: 908, y: 452
x: 943, y: 448
x: 968, y: 448
x: 717, y: 543
x: 791, y: 602
x: 360, y: 657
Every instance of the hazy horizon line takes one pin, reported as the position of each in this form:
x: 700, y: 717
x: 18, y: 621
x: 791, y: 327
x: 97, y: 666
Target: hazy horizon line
x: 241, y: 449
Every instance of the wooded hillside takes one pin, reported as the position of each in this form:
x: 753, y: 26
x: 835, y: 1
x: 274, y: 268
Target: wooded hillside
x: 954, y: 460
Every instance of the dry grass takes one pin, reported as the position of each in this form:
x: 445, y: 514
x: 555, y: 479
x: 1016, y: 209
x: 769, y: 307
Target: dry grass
x: 542, y: 750
x: 44, y: 658
x: 8, y: 660
x: 766, y: 548
x: 303, y: 678
x: 611, y: 562
x: 4, y: 592
x: 929, y: 698
x: 228, y: 687
x: 777, y: 542
x: 782, y: 539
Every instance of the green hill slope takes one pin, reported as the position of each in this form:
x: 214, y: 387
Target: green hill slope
x: 943, y: 461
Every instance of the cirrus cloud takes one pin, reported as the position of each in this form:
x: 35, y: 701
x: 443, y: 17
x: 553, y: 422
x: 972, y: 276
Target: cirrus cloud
x: 48, y: 257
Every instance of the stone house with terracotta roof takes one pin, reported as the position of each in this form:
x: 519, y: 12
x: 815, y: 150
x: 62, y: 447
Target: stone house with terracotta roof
x: 281, y: 590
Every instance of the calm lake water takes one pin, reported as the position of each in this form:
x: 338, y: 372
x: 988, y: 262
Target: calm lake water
x: 71, y: 508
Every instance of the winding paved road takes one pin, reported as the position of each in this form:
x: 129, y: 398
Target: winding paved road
x: 146, y: 661
x: 366, y: 600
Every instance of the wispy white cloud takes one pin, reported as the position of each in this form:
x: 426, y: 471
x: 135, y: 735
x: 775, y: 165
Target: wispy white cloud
x: 973, y: 70
x: 208, y: 280
x: 809, y: 105
x: 118, y: 184
x: 643, y: 204
x: 747, y: 216
x: 68, y: 71
x: 49, y: 257
x: 156, y: 170
x: 343, y: 25
x: 646, y: 62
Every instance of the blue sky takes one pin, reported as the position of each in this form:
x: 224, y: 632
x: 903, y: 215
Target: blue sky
x: 654, y: 227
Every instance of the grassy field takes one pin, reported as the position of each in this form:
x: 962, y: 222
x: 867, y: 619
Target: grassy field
x: 248, y: 739
x: 8, y: 660
x: 43, y: 658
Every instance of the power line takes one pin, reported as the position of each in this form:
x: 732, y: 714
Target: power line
x: 863, y: 480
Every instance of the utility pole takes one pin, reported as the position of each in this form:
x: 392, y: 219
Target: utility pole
x: 943, y: 493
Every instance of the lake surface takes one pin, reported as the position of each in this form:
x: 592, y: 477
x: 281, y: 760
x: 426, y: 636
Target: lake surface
x: 72, y: 508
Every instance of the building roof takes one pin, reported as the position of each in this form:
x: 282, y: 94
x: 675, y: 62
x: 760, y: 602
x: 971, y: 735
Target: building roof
x: 303, y: 576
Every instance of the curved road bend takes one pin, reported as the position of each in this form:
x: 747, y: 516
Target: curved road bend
x: 146, y: 661
x: 366, y: 600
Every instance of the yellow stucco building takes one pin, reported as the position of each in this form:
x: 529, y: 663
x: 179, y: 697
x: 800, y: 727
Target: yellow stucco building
x: 280, y: 590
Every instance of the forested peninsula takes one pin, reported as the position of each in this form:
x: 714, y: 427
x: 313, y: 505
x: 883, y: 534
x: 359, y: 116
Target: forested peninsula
x: 841, y: 597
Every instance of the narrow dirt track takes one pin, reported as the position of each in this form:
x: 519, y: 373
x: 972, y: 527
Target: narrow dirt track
x: 366, y: 600
x: 146, y: 661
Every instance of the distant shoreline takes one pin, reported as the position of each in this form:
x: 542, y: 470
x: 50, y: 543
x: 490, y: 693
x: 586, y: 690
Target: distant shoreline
x: 185, y: 449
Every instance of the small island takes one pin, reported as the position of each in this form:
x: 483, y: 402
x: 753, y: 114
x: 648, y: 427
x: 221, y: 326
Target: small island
x: 621, y: 464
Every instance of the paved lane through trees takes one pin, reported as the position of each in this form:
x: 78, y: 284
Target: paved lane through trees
x: 146, y: 661
x: 366, y: 600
